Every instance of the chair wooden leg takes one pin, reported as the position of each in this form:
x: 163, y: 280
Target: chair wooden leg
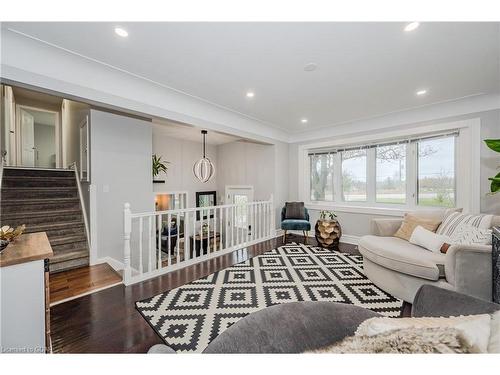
x: 284, y: 238
x: 305, y: 237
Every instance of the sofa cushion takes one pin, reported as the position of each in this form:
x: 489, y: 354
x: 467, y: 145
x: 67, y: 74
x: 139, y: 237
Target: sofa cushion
x: 292, y: 224
x: 410, y: 222
x: 401, y: 256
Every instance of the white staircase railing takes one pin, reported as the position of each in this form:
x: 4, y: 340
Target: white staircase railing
x: 159, y: 242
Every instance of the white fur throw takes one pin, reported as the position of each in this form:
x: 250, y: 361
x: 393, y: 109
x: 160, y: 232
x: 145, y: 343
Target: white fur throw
x: 475, y: 328
x: 405, y: 341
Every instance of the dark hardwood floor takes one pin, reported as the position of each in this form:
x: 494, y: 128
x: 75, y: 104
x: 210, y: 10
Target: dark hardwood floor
x: 107, y: 321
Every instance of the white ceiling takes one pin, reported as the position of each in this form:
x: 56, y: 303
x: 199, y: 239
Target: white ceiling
x: 364, y: 69
x: 190, y: 133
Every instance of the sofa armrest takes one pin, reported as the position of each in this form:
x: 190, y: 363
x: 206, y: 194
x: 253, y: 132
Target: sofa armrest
x: 468, y: 268
x: 385, y: 227
x: 433, y: 301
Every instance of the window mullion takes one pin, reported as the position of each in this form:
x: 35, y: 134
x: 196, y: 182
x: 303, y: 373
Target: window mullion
x: 337, y: 178
x: 371, y: 185
x: 411, y: 175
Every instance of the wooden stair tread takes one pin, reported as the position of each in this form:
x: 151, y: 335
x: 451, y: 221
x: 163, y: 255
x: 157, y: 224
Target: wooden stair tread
x: 62, y: 256
x: 62, y: 225
x: 42, y: 214
x: 13, y: 202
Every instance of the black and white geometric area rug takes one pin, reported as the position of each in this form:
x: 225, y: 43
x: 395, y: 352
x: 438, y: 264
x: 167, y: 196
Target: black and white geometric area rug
x: 189, y: 317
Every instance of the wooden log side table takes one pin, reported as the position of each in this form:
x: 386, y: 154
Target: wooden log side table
x: 495, y: 261
x: 198, y: 243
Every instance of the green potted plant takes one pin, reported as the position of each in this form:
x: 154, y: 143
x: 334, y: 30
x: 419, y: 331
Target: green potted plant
x: 494, y: 144
x: 328, y: 230
x: 159, y: 166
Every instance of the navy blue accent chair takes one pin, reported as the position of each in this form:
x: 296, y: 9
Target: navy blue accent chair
x: 295, y: 224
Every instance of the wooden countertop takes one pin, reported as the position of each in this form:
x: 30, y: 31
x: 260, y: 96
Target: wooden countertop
x: 26, y: 248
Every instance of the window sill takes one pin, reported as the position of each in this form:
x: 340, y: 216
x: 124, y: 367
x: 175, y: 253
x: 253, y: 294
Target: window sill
x: 362, y: 209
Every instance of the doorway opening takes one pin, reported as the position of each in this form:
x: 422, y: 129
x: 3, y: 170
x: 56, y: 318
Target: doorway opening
x: 37, y: 141
x: 239, y: 224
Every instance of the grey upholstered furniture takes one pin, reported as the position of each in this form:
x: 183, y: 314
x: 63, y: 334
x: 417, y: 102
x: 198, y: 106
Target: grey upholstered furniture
x: 401, y: 268
x: 295, y: 223
x: 297, y: 327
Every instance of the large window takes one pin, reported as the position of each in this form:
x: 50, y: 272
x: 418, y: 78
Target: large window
x: 436, y: 172
x: 354, y: 175
x: 322, y: 177
x: 391, y: 174
x: 406, y: 172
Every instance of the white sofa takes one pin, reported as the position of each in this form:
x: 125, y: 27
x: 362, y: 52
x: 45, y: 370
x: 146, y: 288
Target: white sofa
x: 401, y: 268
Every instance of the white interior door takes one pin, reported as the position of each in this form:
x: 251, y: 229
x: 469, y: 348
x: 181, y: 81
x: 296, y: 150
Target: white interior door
x: 28, y: 151
x: 239, y: 223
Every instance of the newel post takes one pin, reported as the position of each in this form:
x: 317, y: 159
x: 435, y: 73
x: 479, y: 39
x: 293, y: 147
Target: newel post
x: 127, y: 229
x: 272, y: 214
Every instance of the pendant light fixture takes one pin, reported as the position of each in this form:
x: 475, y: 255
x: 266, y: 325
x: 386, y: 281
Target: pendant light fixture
x: 204, y: 169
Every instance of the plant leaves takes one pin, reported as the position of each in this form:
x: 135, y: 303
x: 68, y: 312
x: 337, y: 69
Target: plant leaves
x: 494, y: 144
x: 495, y: 183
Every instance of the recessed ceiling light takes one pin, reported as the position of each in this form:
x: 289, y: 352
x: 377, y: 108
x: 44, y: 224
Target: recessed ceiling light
x: 121, y: 32
x: 250, y: 94
x: 310, y: 67
x: 412, y: 26
x: 421, y: 92
x: 304, y: 120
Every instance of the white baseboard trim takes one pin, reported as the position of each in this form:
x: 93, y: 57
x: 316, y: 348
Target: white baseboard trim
x: 115, y: 264
x: 346, y: 238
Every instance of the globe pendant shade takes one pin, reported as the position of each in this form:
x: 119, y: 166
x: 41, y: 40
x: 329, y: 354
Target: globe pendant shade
x: 203, y: 169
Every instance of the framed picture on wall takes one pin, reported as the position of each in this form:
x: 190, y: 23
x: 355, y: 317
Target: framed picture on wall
x: 205, y: 199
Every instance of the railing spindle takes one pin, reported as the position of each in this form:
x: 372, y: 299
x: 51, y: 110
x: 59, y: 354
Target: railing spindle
x: 150, y: 243
x: 159, y: 241
x: 169, y: 238
x: 177, y: 246
x: 140, y: 245
x: 208, y: 231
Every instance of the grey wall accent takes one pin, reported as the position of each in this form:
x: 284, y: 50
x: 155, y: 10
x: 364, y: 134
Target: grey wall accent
x: 182, y: 155
x: 359, y: 224
x: 121, y: 151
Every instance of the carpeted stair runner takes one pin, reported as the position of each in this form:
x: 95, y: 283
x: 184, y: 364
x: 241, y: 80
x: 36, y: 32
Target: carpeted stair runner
x: 47, y: 201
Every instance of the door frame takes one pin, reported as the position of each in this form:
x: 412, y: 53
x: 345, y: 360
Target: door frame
x: 18, y: 132
x: 84, y: 175
x: 235, y: 187
x: 229, y: 225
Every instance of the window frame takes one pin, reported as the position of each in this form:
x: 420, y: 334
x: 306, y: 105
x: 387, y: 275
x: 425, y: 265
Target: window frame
x: 467, y: 151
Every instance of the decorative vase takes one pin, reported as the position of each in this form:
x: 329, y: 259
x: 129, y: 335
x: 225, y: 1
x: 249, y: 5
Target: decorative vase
x: 328, y: 233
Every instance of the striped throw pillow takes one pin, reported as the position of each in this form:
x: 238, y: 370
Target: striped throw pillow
x: 467, y: 235
x: 454, y: 220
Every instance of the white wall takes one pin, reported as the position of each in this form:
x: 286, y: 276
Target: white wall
x: 244, y: 163
x: 121, y: 172
x: 182, y: 155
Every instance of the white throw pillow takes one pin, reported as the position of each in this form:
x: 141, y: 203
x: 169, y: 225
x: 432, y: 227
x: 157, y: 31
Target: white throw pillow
x: 455, y: 220
x: 475, y: 328
x: 494, y: 344
x: 428, y: 239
